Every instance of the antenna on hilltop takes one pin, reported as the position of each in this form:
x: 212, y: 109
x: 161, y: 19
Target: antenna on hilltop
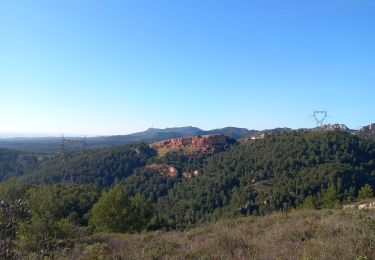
x: 320, y: 116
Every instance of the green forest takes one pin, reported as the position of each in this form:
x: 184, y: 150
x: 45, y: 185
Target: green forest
x: 129, y: 189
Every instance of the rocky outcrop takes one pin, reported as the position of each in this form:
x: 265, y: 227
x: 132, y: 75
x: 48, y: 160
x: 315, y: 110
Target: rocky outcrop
x: 334, y: 127
x: 363, y: 206
x: 172, y: 172
x: 206, y: 141
x: 164, y: 169
x: 367, y: 131
x: 187, y: 175
x: 257, y: 137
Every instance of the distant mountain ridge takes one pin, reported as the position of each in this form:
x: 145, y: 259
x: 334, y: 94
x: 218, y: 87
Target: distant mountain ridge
x: 152, y: 135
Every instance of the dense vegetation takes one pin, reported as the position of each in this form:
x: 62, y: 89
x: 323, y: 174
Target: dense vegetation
x: 130, y: 188
x: 276, y: 173
x: 101, y: 167
x: 16, y: 163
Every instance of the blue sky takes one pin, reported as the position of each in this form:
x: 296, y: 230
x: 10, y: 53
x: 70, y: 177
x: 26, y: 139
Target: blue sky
x: 116, y: 67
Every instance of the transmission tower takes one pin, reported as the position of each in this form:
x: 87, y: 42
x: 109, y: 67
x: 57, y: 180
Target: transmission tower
x: 319, y: 117
x: 67, y: 171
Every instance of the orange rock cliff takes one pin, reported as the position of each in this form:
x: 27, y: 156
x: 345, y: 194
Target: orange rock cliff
x: 196, y: 141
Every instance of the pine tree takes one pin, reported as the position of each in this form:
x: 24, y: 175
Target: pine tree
x: 331, y: 199
x: 113, y: 212
x: 365, y: 192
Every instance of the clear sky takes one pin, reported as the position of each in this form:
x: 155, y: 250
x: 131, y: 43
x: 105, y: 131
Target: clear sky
x: 116, y: 67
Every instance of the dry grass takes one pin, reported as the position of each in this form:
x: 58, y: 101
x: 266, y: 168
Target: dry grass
x: 298, y: 235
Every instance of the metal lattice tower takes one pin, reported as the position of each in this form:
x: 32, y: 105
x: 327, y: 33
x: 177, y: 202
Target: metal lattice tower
x: 68, y: 172
x: 320, y: 117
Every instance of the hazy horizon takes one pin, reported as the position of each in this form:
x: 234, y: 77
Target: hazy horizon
x: 58, y: 135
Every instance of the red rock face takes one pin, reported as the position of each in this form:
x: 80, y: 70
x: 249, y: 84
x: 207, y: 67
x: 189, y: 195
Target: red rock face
x: 196, y: 141
x: 172, y: 172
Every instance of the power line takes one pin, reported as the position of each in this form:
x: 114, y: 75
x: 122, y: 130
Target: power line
x: 320, y: 116
x: 68, y: 171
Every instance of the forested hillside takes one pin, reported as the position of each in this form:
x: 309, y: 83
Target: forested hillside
x: 16, y: 163
x: 277, y: 172
x: 131, y: 188
x: 101, y: 167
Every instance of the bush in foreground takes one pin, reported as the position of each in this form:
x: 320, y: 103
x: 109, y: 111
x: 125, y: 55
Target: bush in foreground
x: 301, y: 234
x: 117, y: 212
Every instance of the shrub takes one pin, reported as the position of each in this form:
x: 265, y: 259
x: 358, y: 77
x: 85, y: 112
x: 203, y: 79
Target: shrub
x: 365, y: 192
